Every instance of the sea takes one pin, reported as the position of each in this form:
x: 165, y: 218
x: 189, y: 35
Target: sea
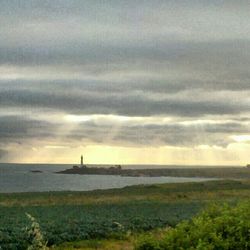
x: 20, y: 178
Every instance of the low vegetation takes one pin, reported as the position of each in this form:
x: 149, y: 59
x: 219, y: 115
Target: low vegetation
x: 113, y: 219
x: 218, y: 227
x: 77, y: 222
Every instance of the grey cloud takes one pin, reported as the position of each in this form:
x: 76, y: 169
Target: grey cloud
x: 226, y: 53
x: 141, y: 84
x: 84, y: 32
x: 3, y: 153
x: 19, y: 128
x: 131, y: 105
x: 170, y: 67
x: 168, y: 134
x: 185, y: 59
x: 16, y: 129
x: 64, y: 33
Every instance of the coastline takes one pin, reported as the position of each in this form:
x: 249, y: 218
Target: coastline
x: 229, y: 172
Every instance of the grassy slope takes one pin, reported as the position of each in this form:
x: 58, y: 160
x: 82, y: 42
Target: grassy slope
x: 172, y: 201
x: 203, y: 191
x: 210, y: 191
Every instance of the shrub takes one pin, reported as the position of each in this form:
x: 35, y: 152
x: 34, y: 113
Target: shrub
x: 217, y: 227
x: 148, y: 242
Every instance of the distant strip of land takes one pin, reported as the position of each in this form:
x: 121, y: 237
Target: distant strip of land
x: 232, y: 172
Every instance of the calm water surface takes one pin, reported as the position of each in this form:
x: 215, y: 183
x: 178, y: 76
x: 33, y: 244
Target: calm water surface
x: 19, y: 178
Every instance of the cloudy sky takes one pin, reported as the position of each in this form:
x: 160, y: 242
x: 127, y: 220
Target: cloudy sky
x: 164, y: 82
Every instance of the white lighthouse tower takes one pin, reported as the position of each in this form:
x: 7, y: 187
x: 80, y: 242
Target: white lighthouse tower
x: 82, y: 165
x: 81, y: 160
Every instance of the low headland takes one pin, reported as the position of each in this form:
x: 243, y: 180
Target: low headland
x: 218, y: 172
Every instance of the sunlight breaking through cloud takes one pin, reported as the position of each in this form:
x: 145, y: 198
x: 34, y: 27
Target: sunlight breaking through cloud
x: 166, y: 84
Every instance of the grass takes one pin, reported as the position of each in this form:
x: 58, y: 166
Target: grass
x: 62, y: 223
x: 201, y: 191
x: 127, y: 243
x: 97, y: 244
x: 103, y: 219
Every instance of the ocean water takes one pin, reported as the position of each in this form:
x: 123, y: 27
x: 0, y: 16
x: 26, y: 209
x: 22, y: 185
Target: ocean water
x: 19, y: 178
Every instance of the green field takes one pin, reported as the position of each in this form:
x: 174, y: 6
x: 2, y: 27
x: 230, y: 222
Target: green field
x: 96, y: 219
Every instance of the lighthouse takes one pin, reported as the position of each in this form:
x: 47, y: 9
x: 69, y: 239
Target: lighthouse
x: 81, y: 160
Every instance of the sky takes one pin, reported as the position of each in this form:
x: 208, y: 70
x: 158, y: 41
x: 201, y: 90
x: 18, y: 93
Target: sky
x: 125, y: 82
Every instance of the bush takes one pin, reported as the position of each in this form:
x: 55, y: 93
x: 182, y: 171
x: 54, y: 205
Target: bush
x: 148, y: 242
x: 218, y: 227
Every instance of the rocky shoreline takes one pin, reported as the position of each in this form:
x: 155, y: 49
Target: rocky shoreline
x: 232, y: 172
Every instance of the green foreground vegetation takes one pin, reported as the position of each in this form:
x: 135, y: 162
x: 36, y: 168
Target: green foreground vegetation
x: 139, y: 216
x: 217, y: 227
